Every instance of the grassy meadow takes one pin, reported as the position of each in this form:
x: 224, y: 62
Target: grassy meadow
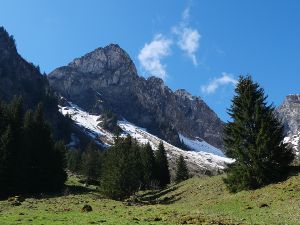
x: 195, y: 201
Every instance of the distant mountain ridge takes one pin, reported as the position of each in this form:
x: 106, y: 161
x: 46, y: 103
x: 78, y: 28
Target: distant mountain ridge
x: 106, y: 79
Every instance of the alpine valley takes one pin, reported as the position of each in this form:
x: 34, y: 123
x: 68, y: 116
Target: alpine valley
x: 110, y: 117
x: 103, y: 95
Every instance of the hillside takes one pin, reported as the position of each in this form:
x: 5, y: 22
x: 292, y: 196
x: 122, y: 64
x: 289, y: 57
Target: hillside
x: 195, y: 201
x: 21, y: 78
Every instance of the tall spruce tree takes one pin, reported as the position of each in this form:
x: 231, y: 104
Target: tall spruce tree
x: 122, y: 169
x: 149, y: 178
x: 74, y: 160
x: 162, y: 166
x: 182, y: 172
x: 30, y: 162
x: 91, y: 163
x: 254, y: 139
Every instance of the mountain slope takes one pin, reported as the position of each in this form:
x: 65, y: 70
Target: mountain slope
x: 106, y: 80
x: 21, y: 78
x: 199, y: 162
x: 17, y: 76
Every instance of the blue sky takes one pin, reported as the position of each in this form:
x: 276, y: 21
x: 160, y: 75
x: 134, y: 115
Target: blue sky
x: 201, y: 45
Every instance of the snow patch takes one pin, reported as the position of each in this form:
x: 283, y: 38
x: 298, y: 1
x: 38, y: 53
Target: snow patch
x: 200, y: 145
x: 199, y: 158
x: 88, y: 122
x: 293, y: 140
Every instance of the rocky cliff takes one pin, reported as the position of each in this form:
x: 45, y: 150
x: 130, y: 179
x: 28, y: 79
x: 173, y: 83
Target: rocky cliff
x: 289, y: 112
x: 106, y: 80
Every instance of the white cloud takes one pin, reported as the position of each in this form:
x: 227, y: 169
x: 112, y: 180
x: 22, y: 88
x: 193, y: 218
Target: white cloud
x: 152, y: 53
x: 188, y: 37
x: 189, y: 42
x: 225, y: 79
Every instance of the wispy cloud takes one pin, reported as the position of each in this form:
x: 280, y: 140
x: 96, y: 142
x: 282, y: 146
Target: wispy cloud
x: 183, y: 35
x: 225, y: 79
x: 152, y: 53
x: 188, y: 37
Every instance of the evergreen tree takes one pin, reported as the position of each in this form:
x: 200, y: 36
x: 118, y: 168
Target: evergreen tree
x: 162, y: 166
x: 15, y: 115
x: 74, y: 160
x: 122, y: 169
x: 149, y: 176
x: 59, y: 166
x: 254, y: 140
x: 27, y: 154
x: 30, y: 162
x: 7, y: 161
x: 91, y: 164
x: 182, y: 172
x: 47, y: 158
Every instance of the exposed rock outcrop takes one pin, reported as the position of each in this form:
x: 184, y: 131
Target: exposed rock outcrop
x: 289, y: 112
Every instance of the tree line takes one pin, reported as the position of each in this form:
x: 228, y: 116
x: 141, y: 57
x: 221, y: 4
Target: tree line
x: 30, y: 160
x: 125, y: 168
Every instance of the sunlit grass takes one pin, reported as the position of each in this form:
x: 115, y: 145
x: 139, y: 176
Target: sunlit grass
x: 195, y: 201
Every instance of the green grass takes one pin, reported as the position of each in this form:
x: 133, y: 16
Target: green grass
x: 195, y: 201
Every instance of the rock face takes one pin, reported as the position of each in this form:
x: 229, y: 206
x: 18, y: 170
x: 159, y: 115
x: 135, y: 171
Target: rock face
x: 289, y: 111
x: 106, y: 79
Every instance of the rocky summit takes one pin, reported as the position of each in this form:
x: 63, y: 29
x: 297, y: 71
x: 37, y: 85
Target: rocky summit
x: 107, y: 80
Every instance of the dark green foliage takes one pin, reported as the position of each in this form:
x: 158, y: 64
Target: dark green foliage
x: 30, y: 161
x: 74, y: 160
x: 122, y: 169
x: 182, y: 172
x: 254, y: 140
x: 91, y: 163
x: 162, y: 166
x: 110, y: 122
x: 129, y: 167
x: 149, y: 176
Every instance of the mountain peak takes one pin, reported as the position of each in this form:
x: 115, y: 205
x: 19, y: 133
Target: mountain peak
x: 110, y: 58
x: 184, y: 94
x: 106, y: 79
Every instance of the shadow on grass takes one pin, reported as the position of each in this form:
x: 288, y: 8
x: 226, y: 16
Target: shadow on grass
x: 67, y: 190
x: 156, y: 197
x: 295, y: 170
